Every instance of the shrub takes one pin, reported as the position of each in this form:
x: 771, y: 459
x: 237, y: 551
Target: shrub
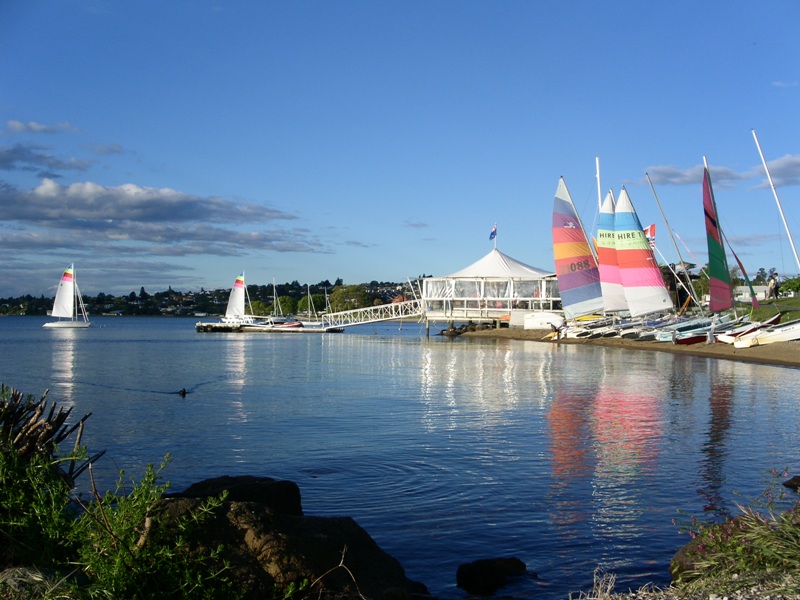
x: 126, y: 556
x: 760, y: 547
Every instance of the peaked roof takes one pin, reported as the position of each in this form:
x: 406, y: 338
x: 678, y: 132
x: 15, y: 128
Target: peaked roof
x: 497, y: 265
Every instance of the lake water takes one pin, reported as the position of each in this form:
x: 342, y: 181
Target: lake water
x: 444, y: 450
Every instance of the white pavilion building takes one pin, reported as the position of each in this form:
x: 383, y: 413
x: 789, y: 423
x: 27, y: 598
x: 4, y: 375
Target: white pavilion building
x: 494, y: 289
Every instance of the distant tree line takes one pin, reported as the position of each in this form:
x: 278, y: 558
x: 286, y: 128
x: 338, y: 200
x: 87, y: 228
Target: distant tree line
x: 286, y: 298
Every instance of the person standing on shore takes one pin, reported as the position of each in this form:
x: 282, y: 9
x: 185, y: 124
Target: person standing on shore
x: 774, y: 286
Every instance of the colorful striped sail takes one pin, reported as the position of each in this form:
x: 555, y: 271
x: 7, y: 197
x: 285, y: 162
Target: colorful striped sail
x: 610, y: 282
x: 640, y: 275
x: 576, y: 267
x: 236, y: 300
x: 719, y: 276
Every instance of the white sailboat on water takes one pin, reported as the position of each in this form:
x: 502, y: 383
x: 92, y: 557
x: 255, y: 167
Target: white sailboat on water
x: 68, y: 306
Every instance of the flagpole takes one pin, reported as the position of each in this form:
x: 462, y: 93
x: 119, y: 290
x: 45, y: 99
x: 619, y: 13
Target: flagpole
x: 775, y: 193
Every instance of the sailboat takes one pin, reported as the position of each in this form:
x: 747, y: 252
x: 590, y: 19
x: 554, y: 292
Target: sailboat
x: 235, y: 315
x: 641, y: 278
x: 719, y: 276
x: 68, y: 306
x: 576, y: 267
x: 720, y: 287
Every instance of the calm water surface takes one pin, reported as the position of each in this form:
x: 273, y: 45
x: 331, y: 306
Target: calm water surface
x: 445, y: 451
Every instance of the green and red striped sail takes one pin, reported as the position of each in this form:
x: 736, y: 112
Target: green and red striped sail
x: 719, y: 276
x: 639, y: 272
x: 576, y: 267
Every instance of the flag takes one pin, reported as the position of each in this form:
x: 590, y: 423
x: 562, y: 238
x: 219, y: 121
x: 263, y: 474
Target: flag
x: 650, y: 234
x: 494, y: 232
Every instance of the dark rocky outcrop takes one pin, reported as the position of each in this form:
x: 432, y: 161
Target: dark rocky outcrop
x: 267, y: 547
x: 484, y: 577
x: 277, y: 495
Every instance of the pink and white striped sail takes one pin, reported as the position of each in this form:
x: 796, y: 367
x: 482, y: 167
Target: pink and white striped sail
x: 610, y: 281
x: 640, y: 275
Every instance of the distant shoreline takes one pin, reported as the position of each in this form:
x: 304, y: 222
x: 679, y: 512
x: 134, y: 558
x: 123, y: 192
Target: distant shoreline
x: 784, y: 354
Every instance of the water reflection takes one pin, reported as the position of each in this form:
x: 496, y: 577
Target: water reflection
x: 63, y: 352
x: 714, y: 449
x: 235, y: 364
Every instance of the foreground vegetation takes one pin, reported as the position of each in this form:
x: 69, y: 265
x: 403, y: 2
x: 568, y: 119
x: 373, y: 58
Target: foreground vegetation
x: 56, y: 544
x: 72, y: 547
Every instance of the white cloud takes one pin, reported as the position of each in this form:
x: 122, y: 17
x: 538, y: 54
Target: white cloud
x: 784, y: 171
x: 34, y: 127
x: 142, y: 220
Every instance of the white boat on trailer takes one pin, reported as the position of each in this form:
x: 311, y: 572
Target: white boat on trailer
x: 748, y: 327
x: 785, y: 332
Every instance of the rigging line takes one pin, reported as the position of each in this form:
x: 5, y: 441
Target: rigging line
x: 694, y: 258
x: 672, y: 237
x: 689, y: 290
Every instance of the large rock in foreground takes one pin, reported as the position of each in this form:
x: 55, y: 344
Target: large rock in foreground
x: 267, y: 548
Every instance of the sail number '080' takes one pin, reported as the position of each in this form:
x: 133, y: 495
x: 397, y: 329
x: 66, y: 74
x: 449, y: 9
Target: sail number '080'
x: 580, y: 265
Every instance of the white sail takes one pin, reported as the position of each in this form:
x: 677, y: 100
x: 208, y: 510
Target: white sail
x: 235, y: 308
x: 64, y: 305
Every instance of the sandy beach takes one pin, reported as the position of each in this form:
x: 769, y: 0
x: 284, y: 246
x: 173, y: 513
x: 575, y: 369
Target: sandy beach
x: 785, y: 354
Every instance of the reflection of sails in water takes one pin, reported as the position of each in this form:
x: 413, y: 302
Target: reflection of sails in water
x: 63, y: 348
x: 626, y: 426
x: 236, y: 368
x: 714, y: 449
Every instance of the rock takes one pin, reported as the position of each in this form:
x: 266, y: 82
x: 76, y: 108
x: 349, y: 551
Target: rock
x: 485, y: 576
x: 279, y: 496
x: 267, y: 548
x: 793, y: 483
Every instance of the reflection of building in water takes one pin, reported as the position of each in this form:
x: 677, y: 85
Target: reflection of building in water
x: 480, y: 377
x: 63, y: 353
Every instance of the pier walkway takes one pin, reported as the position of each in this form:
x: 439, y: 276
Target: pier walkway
x: 373, y: 314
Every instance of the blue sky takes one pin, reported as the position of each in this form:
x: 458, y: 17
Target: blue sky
x: 180, y: 143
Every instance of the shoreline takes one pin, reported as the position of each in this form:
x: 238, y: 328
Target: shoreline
x: 782, y: 354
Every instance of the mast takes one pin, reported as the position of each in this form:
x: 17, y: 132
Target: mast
x: 690, y: 287
x: 775, y: 193
x: 599, y: 192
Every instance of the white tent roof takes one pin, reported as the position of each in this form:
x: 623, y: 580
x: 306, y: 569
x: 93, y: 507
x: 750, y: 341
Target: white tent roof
x: 497, y: 265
